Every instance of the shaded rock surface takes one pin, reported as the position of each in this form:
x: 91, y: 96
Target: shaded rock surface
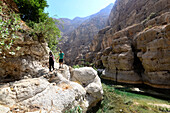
x: 135, y: 47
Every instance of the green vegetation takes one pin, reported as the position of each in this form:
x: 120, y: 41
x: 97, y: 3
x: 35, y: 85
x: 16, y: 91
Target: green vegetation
x: 151, y: 16
x: 77, y: 109
x: 77, y: 66
x: 147, y: 28
x: 121, y: 101
x: 41, y: 26
x: 49, y: 31
x: 32, y: 10
x: 9, y: 26
x: 87, y: 64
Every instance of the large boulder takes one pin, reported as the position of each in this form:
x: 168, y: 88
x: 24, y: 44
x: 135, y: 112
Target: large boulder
x: 89, y: 79
x: 39, y: 93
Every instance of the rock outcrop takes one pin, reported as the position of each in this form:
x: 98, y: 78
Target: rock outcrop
x: 135, y: 47
x: 76, y: 44
x: 39, y: 93
x: 58, y: 95
x: 27, y: 55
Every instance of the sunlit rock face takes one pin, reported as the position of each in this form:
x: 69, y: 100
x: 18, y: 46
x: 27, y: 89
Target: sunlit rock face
x: 56, y: 92
x: 76, y: 43
x: 135, y: 47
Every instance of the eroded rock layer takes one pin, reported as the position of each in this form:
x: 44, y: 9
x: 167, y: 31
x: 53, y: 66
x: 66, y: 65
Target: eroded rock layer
x: 136, y: 46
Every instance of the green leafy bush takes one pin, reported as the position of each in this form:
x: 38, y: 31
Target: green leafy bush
x: 32, y: 10
x: 43, y: 27
x: 49, y: 31
x: 77, y: 66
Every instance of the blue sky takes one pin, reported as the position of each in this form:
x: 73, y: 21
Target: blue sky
x: 73, y: 8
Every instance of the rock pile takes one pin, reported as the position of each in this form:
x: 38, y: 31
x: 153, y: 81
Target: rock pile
x: 56, y: 96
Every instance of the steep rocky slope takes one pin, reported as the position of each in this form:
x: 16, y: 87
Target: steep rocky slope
x: 67, y: 25
x: 27, y: 55
x: 78, y: 41
x: 135, y: 48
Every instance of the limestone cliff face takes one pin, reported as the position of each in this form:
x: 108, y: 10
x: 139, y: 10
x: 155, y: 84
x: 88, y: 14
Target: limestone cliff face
x: 79, y: 40
x: 129, y: 12
x: 27, y: 56
x: 135, y: 48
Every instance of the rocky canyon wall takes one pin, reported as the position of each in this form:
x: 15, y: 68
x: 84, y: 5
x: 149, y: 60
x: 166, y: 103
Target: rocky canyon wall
x: 76, y: 43
x: 135, y: 48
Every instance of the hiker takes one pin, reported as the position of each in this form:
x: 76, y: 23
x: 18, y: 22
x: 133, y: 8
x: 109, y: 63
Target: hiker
x: 61, y: 57
x: 51, y: 61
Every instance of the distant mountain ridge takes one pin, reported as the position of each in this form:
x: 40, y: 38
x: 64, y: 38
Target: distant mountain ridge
x: 68, y: 25
x: 79, y: 32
